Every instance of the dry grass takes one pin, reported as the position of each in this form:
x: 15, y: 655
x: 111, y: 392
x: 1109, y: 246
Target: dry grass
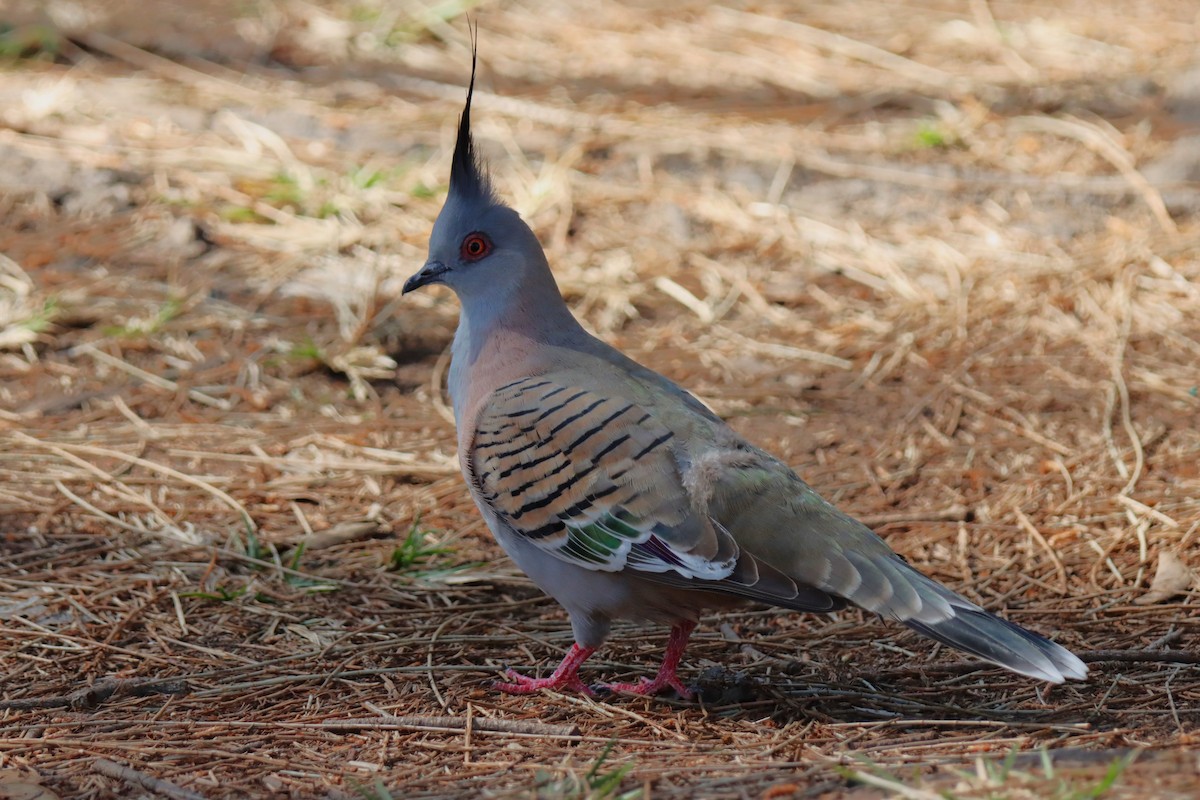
x: 924, y: 252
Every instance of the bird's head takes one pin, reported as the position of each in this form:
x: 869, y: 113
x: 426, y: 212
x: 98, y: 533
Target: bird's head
x: 479, y: 246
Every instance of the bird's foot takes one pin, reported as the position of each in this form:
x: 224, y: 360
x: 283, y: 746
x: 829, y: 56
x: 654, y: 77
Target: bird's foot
x: 565, y: 677
x: 666, y: 677
x: 648, y: 687
x: 523, y: 684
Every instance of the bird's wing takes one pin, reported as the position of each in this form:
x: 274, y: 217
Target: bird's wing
x: 594, y: 479
x: 591, y: 478
x: 772, y: 513
x: 775, y: 516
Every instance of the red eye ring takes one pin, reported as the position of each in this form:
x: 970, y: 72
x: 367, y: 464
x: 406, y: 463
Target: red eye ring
x: 475, y: 246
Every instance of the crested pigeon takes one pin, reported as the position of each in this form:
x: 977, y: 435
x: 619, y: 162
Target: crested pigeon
x: 624, y: 497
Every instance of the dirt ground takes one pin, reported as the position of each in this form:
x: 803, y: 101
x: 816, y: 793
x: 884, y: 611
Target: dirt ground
x: 943, y: 257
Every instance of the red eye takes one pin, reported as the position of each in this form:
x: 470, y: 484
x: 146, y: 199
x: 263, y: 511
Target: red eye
x: 475, y: 247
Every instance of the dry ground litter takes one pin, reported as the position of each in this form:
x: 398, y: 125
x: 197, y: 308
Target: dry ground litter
x: 942, y: 257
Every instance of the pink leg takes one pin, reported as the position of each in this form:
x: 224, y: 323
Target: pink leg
x: 565, y: 677
x: 666, y: 677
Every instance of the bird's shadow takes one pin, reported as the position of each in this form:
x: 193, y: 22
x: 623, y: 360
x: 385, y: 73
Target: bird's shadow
x: 970, y: 694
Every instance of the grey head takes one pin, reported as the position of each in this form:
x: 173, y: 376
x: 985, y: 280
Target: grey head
x: 480, y: 247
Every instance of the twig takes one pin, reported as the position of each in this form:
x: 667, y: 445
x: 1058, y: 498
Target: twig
x: 1145, y: 510
x: 681, y: 295
x: 1122, y: 389
x: 130, y: 775
x: 1140, y: 656
x: 280, y: 680
x: 478, y: 725
x: 148, y: 377
x: 1034, y: 436
x: 177, y: 534
x: 1097, y: 141
x: 437, y: 386
x: 1170, y: 637
x: 841, y: 45
x: 953, y: 513
x: 1037, y: 536
x: 100, y: 692
x: 343, y: 532
x: 433, y: 683
x: 890, y: 785
x: 150, y: 465
x: 986, y: 24
x: 173, y: 70
x: 780, y: 350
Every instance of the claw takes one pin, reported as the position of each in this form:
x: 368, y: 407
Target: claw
x: 647, y: 687
x: 565, y: 677
x: 523, y: 684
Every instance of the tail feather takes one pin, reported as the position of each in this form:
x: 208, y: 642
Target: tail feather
x: 971, y: 629
x: 1001, y: 642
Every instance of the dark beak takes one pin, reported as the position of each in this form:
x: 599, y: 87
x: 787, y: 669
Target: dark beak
x: 432, y: 272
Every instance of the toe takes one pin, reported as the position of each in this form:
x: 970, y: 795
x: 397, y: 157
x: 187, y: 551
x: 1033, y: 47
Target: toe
x: 684, y: 692
x: 516, y: 683
x: 509, y: 688
x: 522, y: 684
x: 614, y: 688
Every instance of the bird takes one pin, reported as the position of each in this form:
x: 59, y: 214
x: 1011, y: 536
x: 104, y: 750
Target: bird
x: 622, y: 496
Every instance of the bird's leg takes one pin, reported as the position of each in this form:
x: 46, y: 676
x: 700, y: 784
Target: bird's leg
x: 666, y: 677
x: 565, y: 677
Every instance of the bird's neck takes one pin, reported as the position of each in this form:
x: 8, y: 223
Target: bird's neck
x: 500, y: 335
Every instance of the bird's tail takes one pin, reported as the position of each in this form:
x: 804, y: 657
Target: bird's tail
x: 973, y: 630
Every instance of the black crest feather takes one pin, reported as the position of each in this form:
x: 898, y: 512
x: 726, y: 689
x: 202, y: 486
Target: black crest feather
x: 467, y: 176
